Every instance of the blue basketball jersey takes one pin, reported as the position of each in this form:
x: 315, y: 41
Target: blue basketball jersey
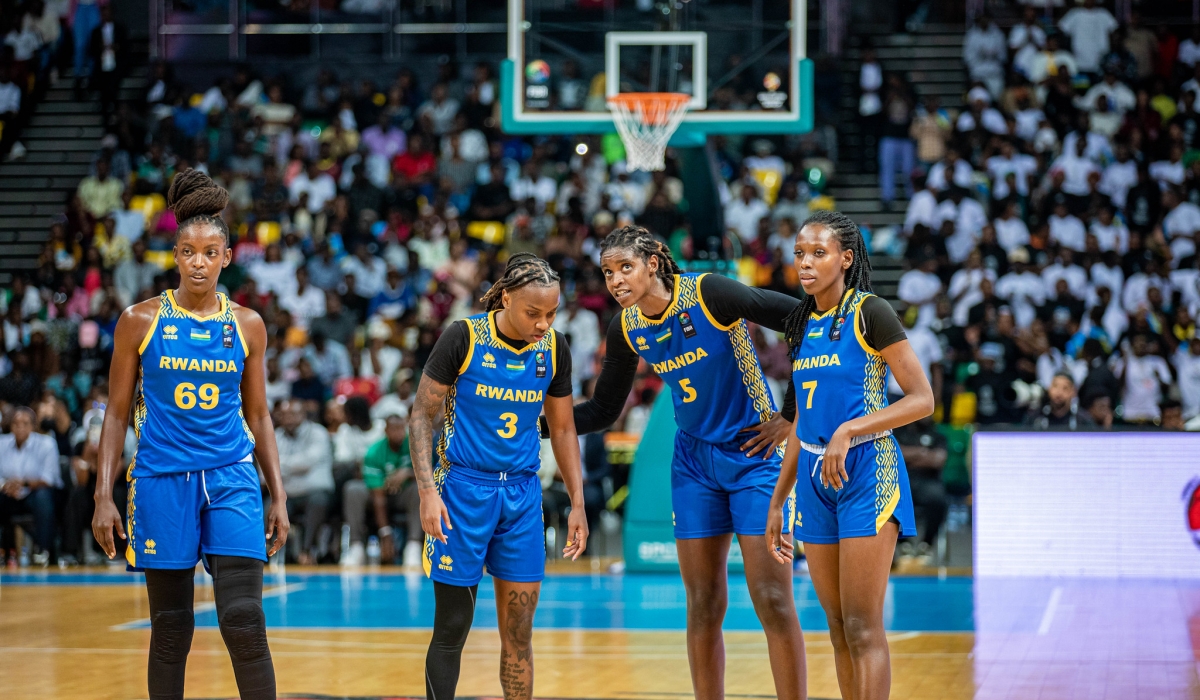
x: 716, y: 382
x: 188, y: 414
x: 836, y: 380
x: 492, y: 408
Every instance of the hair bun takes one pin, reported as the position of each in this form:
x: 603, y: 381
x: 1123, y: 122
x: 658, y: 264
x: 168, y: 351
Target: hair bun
x: 194, y: 194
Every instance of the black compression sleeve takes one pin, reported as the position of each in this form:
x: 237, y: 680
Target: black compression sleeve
x: 237, y: 591
x: 454, y: 610
x: 788, y: 411
x: 881, y: 326
x: 617, y: 373
x: 728, y: 300
x: 172, y: 623
x: 448, y: 354
x: 561, y: 384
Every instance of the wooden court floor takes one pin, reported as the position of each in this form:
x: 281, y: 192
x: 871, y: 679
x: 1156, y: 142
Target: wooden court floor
x: 59, y: 641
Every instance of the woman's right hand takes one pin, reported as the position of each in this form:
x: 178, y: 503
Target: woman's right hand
x: 433, y: 512
x: 779, y: 545
x: 107, y: 518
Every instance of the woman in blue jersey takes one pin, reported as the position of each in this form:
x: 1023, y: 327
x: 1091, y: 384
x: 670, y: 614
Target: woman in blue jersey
x: 853, y: 500
x: 190, y: 363
x: 481, y: 505
x: 691, y: 329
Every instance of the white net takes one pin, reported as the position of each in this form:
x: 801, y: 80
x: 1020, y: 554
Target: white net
x: 646, y: 121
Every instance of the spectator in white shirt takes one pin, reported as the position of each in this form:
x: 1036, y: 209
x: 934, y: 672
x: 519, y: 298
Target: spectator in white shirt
x: 743, y: 214
x: 1066, y: 229
x: 318, y: 186
x: 1022, y: 165
x: 1187, y: 365
x: 1025, y: 40
x: 1189, y: 49
x: 583, y: 327
x: 306, y: 464
x: 1011, y: 231
x: 1180, y: 224
x: 272, y: 273
x: 1089, y: 28
x: 370, y: 272
x: 1098, y: 149
x: 623, y: 192
x: 29, y: 475
x: 379, y: 359
x: 302, y: 300
x: 1106, y: 272
x: 1187, y: 281
x: 438, y: 112
x: 1022, y: 287
x: 920, y: 287
x: 1120, y: 98
x: 328, y: 358
x: 533, y: 184
x: 1119, y: 176
x: 922, y: 208
x: 1049, y: 64
x: 1144, y: 375
x: 1075, y: 168
x: 1171, y: 171
x: 969, y: 219
x: 985, y: 52
x: 981, y: 114
x: 964, y: 290
x: 1110, y: 234
x: 1064, y: 268
x: 951, y: 170
x: 1135, y: 295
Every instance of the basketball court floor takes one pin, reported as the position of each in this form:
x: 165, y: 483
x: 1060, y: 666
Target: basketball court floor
x: 611, y: 637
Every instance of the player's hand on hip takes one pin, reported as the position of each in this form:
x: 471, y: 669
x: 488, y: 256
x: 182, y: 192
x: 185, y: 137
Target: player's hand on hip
x: 278, y: 526
x: 771, y: 434
x: 577, y: 534
x: 779, y: 544
x: 433, y: 514
x: 833, y: 467
x: 106, y: 519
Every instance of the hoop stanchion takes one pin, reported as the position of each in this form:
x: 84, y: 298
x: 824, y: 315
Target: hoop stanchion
x: 646, y: 121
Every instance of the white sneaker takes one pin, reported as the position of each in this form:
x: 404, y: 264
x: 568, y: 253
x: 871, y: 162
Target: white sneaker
x: 356, y: 555
x: 412, y: 553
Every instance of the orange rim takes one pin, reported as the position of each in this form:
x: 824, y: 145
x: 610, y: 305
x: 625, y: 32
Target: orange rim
x: 655, y: 107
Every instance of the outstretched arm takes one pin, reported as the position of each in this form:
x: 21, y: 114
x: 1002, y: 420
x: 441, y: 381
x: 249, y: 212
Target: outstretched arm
x: 612, y: 387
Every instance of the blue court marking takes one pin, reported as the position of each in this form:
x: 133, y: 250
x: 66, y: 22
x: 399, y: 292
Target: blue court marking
x: 47, y: 578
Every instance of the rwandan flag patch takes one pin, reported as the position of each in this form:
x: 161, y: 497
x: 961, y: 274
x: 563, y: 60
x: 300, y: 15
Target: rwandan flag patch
x: 515, y: 366
x: 201, y: 334
x: 664, y: 336
x: 815, y: 332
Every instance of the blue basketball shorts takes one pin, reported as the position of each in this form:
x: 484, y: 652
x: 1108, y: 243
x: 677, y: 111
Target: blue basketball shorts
x: 716, y: 489
x: 497, y: 519
x: 877, y: 491
x: 172, y: 519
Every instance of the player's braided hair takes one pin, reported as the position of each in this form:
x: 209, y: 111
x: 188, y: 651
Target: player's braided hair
x: 196, y: 199
x: 858, y: 276
x: 645, y: 245
x: 522, y: 269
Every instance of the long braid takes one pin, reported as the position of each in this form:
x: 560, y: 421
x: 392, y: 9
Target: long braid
x: 857, y: 276
x: 522, y: 269
x: 196, y: 199
x: 645, y: 245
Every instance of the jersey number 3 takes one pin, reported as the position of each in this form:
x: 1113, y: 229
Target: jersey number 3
x: 510, y: 425
x: 186, y: 394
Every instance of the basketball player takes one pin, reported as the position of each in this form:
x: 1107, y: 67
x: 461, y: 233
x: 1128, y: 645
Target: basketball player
x: 193, y: 362
x: 482, y: 506
x: 853, y: 499
x: 691, y: 329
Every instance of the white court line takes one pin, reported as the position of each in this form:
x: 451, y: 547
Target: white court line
x: 1051, y: 608
x: 209, y: 606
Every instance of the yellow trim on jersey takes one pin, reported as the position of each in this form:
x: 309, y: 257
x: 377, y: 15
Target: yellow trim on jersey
x: 130, y: 548
x: 470, y: 350
x: 887, y: 511
x: 666, y: 314
x: 825, y: 314
x: 700, y: 297
x: 150, y: 333
x: 625, y: 332
x: 553, y: 354
x: 858, y: 326
x: 184, y: 312
x: 426, y: 554
x: 496, y: 334
x: 241, y: 335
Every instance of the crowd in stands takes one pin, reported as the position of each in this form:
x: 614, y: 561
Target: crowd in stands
x: 1053, y: 274
x: 1051, y: 225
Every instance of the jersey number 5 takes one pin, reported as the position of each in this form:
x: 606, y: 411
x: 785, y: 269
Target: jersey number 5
x: 812, y: 389
x: 689, y: 394
x: 209, y: 395
x: 510, y: 425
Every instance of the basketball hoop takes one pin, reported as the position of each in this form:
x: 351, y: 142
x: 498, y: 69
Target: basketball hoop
x: 646, y: 121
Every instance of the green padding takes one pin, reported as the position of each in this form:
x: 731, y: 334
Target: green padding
x: 956, y: 475
x: 649, y: 537
x: 687, y: 135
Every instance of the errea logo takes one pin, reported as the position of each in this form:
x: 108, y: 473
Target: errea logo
x: 446, y: 563
x: 642, y: 344
x: 489, y: 360
x: 150, y: 547
x: 170, y: 333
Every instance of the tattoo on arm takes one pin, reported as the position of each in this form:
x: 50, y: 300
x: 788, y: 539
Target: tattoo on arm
x: 430, y: 397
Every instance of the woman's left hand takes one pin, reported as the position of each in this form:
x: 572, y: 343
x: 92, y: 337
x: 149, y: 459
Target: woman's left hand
x: 833, y: 466
x: 277, y: 526
x: 577, y: 533
x: 771, y: 434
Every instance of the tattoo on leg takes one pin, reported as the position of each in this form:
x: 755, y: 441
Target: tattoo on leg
x: 516, y: 658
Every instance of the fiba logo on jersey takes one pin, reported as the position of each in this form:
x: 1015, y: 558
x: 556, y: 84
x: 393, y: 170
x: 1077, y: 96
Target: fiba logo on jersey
x: 227, y: 334
x: 540, y: 360
x: 1191, y: 508
x: 489, y: 360
x: 170, y: 333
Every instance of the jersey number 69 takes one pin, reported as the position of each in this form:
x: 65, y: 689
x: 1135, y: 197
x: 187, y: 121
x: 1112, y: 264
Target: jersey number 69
x: 186, y: 394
